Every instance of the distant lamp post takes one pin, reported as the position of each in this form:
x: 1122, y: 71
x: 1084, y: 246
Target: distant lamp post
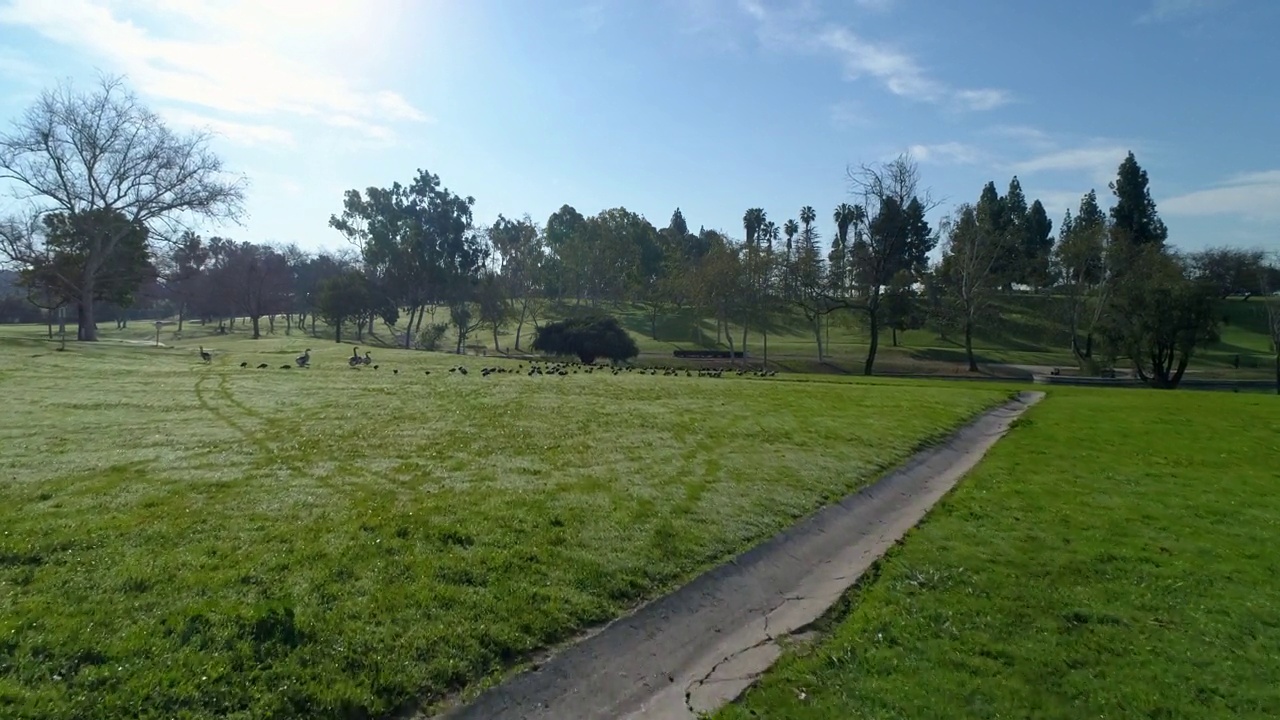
x: 62, y: 327
x: 158, y: 326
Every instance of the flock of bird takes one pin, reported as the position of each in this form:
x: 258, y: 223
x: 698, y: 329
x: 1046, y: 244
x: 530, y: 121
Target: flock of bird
x: 535, y: 369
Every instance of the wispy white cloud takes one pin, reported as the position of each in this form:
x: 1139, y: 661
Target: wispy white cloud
x: 235, y: 57
x: 951, y: 153
x: 1254, y: 196
x: 1031, y: 137
x: 986, y: 99
x: 895, y: 69
x: 237, y: 132
x: 848, y: 114
x: 1171, y: 10
x: 1058, y: 202
x: 592, y: 15
x: 1099, y: 161
x: 18, y: 67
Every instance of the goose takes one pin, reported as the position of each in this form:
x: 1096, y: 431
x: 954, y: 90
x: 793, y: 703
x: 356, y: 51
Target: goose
x: 244, y: 364
x: 366, y: 359
x: 263, y: 366
x: 304, y: 359
x: 354, y: 360
x: 205, y: 355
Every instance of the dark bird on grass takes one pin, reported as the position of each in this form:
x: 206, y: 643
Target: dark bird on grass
x: 462, y: 370
x: 286, y: 367
x: 304, y: 360
x: 244, y: 364
x: 263, y: 366
x: 426, y: 372
x: 366, y: 359
x: 205, y: 355
x: 375, y: 367
x: 354, y: 360
x: 395, y: 371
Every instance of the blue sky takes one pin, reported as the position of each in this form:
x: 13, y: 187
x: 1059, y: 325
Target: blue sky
x: 710, y: 105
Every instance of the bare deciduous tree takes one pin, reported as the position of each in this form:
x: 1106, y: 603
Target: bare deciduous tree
x: 969, y: 260
x: 102, y: 152
x: 895, y: 236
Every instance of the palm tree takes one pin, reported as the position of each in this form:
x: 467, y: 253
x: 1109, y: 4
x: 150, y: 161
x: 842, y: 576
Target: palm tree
x: 752, y: 221
x: 807, y: 215
x: 844, y: 216
x: 808, y: 252
x: 789, y: 228
x: 769, y: 233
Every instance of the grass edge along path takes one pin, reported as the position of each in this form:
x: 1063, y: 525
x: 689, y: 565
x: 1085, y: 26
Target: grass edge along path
x: 1114, y: 557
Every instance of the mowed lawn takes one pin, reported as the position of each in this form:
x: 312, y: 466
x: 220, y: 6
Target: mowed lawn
x: 184, y: 540
x: 1115, y: 556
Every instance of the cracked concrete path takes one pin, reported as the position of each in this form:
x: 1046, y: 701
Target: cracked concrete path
x: 698, y: 648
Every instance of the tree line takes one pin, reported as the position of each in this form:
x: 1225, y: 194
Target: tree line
x: 107, y: 196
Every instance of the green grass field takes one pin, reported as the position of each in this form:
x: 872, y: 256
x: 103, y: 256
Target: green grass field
x: 1030, y: 331
x: 1114, y: 556
x: 197, y: 541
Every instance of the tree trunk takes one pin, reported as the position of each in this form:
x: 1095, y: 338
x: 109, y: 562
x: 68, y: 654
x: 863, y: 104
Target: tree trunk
x: 745, y: 322
x: 495, y: 338
x: 653, y: 324
x: 524, y: 310
x: 765, y: 335
x: 408, y: 327
x: 288, y: 323
x: 337, y: 329
x: 873, y: 317
x: 894, y: 335
x: 1278, y: 372
x: 313, y: 325
x: 968, y: 345
x: 86, y: 330
x: 255, y: 319
x: 1177, y: 374
x: 816, y: 323
x: 48, y: 316
x: 728, y: 336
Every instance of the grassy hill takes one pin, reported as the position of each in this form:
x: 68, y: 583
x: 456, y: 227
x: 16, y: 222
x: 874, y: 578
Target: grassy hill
x: 1031, y: 330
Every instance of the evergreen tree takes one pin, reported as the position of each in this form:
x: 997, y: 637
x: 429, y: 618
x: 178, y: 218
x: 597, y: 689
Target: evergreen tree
x: 1134, y: 221
x: 1037, y: 248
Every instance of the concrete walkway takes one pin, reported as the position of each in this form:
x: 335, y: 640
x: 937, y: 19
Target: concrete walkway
x: 701, y: 646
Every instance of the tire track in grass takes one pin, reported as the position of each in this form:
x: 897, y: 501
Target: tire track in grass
x: 225, y: 392
x: 225, y: 418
